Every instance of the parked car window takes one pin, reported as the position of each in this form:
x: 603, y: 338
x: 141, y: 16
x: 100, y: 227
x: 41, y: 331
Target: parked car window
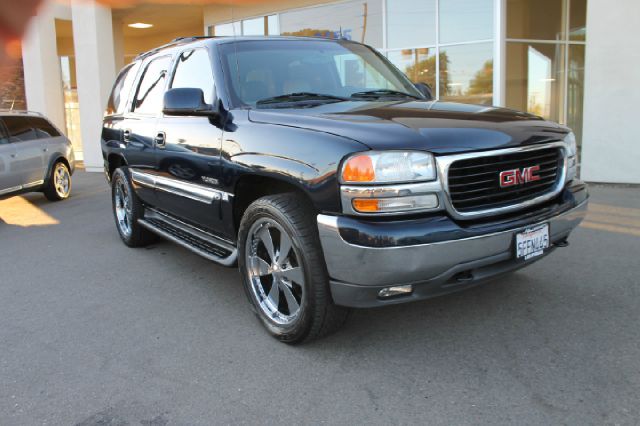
x: 27, y: 128
x: 151, y: 89
x: 194, y: 70
x: 121, y: 89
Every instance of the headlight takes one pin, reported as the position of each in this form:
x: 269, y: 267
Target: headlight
x: 389, y: 167
x: 572, y: 156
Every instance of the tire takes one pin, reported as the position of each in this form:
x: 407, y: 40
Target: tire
x: 58, y: 185
x: 127, y: 209
x: 278, y: 218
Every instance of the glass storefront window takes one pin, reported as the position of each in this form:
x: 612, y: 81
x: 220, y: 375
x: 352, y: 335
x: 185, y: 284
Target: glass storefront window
x: 411, y: 23
x: 535, y: 79
x: 575, y: 89
x: 273, y: 25
x: 535, y: 19
x: 359, y: 20
x: 253, y: 27
x: 227, y: 30
x: 466, y: 73
x: 465, y: 20
x: 578, y: 20
x: 417, y: 64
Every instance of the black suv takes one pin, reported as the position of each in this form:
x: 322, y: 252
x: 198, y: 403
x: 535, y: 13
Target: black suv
x: 328, y: 177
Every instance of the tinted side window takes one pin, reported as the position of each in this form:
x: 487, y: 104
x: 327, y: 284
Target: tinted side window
x: 43, y: 128
x: 194, y: 70
x: 151, y: 90
x: 20, y: 129
x: 121, y: 89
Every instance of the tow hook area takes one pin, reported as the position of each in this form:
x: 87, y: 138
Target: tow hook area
x: 562, y: 243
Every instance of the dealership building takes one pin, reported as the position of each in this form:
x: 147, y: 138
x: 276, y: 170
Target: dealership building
x: 571, y: 61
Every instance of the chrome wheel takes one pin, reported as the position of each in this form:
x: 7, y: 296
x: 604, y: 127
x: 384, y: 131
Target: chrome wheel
x: 275, y: 271
x: 122, y: 204
x: 62, y: 180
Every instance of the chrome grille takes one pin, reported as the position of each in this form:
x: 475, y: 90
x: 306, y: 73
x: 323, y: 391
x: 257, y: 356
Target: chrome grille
x: 474, y: 183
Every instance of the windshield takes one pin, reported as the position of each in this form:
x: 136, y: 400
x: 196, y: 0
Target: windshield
x: 260, y: 70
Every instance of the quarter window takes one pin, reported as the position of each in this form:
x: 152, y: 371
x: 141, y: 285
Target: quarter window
x: 122, y: 89
x: 151, y: 90
x: 194, y: 70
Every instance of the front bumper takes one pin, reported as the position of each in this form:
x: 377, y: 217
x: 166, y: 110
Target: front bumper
x: 360, y: 268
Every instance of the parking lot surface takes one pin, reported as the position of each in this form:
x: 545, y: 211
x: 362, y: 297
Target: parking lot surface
x: 95, y: 333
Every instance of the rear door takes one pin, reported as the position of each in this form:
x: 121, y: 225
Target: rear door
x: 188, y: 154
x: 8, y: 179
x: 29, y: 161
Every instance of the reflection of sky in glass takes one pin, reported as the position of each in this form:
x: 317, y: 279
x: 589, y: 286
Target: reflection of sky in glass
x: 465, y: 20
x: 253, y: 27
x: 411, y: 23
x: 539, y: 83
x: 228, y: 30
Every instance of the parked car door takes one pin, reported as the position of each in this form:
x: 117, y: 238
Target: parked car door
x: 8, y: 178
x: 29, y: 161
x: 139, y: 125
x: 188, y: 149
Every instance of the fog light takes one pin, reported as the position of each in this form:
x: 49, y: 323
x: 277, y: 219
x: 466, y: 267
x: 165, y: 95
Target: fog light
x: 400, y: 290
x: 396, y: 204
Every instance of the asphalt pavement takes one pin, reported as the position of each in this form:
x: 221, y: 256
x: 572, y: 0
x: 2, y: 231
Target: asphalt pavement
x: 95, y: 333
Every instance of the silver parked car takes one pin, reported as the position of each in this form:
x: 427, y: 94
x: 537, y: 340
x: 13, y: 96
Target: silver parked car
x: 34, y: 156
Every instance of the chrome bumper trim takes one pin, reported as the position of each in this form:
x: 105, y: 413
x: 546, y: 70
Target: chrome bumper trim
x: 380, y: 266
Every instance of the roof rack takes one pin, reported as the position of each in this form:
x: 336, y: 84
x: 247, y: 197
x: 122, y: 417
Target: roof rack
x: 174, y: 42
x: 19, y: 111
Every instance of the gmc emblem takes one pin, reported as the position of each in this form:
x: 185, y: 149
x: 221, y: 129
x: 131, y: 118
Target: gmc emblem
x: 515, y: 177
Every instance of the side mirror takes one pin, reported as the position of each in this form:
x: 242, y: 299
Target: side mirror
x: 186, y: 101
x: 425, y: 89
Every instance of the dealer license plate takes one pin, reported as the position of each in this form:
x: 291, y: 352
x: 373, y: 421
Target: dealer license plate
x: 532, y: 242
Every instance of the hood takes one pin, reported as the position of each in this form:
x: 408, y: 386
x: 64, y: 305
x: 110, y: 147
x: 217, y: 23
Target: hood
x: 439, y: 127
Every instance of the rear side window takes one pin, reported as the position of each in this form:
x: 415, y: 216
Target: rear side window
x: 121, y: 89
x: 26, y: 128
x: 194, y: 70
x: 151, y: 89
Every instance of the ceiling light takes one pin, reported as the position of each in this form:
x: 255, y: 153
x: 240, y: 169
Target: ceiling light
x: 140, y: 25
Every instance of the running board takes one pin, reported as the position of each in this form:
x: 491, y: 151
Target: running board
x: 198, y: 241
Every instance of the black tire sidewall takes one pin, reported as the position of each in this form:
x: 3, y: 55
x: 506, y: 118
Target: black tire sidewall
x: 50, y: 190
x: 137, y: 210
x: 300, y: 327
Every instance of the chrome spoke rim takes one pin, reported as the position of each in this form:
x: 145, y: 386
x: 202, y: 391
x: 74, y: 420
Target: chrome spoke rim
x: 61, y: 180
x: 275, y: 271
x: 122, y: 202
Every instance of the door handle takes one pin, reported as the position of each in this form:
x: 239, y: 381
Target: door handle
x: 126, y: 135
x: 160, y: 140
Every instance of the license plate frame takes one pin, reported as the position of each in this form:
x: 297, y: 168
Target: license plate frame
x: 532, y: 242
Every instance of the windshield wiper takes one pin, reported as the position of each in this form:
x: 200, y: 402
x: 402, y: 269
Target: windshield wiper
x: 379, y: 93
x: 301, y: 97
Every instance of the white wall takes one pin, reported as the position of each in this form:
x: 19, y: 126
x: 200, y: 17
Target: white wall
x: 96, y: 71
x: 42, y: 78
x: 611, y: 142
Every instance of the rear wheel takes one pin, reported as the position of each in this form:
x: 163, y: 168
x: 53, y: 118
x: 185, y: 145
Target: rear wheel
x: 59, y: 183
x: 283, y: 269
x: 127, y: 209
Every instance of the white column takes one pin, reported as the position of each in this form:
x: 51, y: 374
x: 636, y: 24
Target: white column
x: 610, y: 143
x: 42, y: 77
x: 499, y: 51
x: 96, y: 70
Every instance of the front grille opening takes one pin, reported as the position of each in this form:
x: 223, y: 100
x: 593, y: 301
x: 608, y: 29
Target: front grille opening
x: 474, y: 184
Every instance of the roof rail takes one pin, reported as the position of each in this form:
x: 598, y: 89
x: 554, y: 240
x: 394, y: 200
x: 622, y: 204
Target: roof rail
x: 19, y: 111
x: 172, y: 43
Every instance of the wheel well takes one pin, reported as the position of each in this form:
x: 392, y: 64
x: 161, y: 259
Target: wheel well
x: 250, y: 188
x: 59, y: 159
x: 115, y: 161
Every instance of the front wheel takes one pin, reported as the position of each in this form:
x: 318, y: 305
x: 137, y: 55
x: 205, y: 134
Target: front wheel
x: 283, y: 270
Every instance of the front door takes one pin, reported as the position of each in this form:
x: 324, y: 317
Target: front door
x: 188, y: 150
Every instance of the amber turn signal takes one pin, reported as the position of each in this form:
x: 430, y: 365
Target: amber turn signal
x: 359, y: 169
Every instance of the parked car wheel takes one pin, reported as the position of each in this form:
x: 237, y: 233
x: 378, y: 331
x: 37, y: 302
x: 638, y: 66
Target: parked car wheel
x: 127, y: 209
x: 59, y: 183
x: 283, y: 270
